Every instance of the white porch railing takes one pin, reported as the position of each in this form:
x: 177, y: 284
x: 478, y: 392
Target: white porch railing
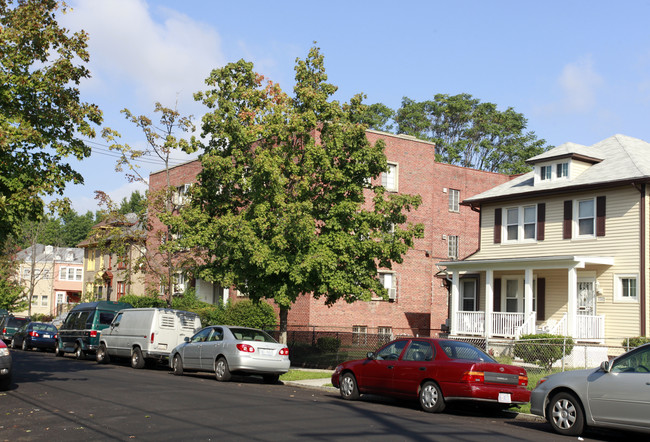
x: 590, y: 327
x: 559, y: 328
x: 506, y: 324
x: 470, y: 323
x: 528, y: 326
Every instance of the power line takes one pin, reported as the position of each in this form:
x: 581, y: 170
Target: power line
x: 103, y: 149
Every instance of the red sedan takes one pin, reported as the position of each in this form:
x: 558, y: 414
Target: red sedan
x: 435, y: 371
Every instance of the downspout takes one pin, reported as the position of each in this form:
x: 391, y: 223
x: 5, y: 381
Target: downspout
x: 642, y: 245
x: 480, y: 223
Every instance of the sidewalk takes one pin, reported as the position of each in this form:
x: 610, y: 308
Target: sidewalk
x: 324, y: 384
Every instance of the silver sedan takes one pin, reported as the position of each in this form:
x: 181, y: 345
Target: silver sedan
x: 617, y: 395
x: 228, y: 350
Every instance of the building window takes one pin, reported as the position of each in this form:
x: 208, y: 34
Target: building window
x: 35, y: 300
x: 70, y: 274
x: 121, y: 262
x: 389, y: 281
x: 452, y: 246
x: 181, y: 195
x: 545, y: 172
x: 359, y: 334
x: 44, y: 300
x: 626, y: 288
x: 586, y: 217
x: 454, y: 200
x: 389, y: 178
x: 121, y: 289
x: 468, y: 295
x: 521, y: 223
x: 562, y: 170
x: 385, y: 334
x: 27, y: 273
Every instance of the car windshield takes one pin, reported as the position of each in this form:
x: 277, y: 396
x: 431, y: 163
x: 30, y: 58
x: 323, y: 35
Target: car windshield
x: 250, y: 334
x: 44, y: 327
x: 465, y: 351
x: 17, y: 322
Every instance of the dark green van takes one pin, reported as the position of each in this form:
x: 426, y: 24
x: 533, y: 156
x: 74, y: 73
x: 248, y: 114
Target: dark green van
x: 79, y: 333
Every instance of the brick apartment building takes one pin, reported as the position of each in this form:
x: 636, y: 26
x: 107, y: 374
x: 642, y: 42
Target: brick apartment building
x: 418, y: 301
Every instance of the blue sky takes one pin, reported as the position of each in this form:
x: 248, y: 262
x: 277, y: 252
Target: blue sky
x: 578, y: 70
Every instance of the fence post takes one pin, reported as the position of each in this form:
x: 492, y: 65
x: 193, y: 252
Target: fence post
x: 563, y: 352
x: 313, y: 336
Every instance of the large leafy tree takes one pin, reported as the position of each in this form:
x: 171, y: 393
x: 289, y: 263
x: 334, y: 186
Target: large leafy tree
x: 41, y: 114
x: 284, y: 204
x: 470, y: 133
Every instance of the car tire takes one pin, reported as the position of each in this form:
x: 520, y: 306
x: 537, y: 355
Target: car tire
x: 137, y: 361
x: 348, y: 387
x: 13, y: 343
x: 431, y: 398
x: 102, y: 355
x: 271, y: 378
x: 24, y: 347
x: 565, y: 414
x: 57, y: 351
x: 221, y: 370
x: 5, y: 383
x: 79, y: 353
x: 177, y: 365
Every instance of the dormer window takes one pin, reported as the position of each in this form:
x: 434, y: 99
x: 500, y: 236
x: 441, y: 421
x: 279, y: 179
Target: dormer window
x: 545, y: 173
x: 562, y: 170
x: 552, y: 171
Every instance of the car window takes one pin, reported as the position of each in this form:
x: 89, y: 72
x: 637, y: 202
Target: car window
x: 71, y: 320
x: 419, y: 351
x: 17, y: 322
x: 249, y: 334
x: 106, y: 318
x: 44, y: 327
x: 117, y: 319
x: 216, y: 334
x: 465, y: 351
x: 202, y: 335
x: 636, y: 361
x: 81, y: 320
x: 392, y: 351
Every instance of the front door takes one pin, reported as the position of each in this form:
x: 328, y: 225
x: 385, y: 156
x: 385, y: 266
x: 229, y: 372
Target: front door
x: 586, y: 297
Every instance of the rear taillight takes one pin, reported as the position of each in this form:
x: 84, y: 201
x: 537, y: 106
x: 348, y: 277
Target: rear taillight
x: 523, y: 381
x: 474, y: 377
x: 93, y: 333
x: 152, y: 333
x: 56, y: 336
x: 4, y: 331
x: 33, y: 334
x: 246, y: 348
x: 284, y: 352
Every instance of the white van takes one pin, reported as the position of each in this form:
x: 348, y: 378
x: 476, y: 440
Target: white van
x: 145, y: 334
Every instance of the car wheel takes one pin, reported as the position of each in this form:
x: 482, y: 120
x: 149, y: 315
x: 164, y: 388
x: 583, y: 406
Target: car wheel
x: 565, y: 414
x: 79, y: 353
x: 102, y: 355
x: 24, y: 346
x: 57, y: 351
x: 13, y: 343
x: 431, y: 399
x: 137, y: 361
x: 5, y: 383
x: 221, y: 370
x: 348, y: 387
x: 271, y: 378
x: 177, y: 366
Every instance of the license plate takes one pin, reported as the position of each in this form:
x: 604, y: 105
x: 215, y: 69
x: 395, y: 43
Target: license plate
x: 266, y: 352
x: 505, y: 398
x: 47, y: 336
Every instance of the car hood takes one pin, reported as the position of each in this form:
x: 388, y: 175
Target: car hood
x: 567, y: 378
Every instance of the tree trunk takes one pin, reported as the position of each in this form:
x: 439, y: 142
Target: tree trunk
x: 284, y: 315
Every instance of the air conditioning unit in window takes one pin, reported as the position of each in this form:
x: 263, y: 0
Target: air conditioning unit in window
x: 392, y: 294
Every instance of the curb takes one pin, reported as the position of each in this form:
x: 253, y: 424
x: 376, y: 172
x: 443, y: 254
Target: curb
x: 310, y: 386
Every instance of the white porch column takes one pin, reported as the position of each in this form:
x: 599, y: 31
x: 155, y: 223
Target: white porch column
x: 453, y: 309
x: 572, y: 301
x: 489, y: 302
x: 528, y: 298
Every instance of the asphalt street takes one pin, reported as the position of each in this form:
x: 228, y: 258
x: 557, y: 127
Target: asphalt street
x: 59, y: 399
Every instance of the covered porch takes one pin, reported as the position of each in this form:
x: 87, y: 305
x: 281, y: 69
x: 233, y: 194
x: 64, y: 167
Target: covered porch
x: 514, y: 297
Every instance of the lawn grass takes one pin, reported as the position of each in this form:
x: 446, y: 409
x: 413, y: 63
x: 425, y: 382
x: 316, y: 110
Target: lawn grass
x: 299, y: 375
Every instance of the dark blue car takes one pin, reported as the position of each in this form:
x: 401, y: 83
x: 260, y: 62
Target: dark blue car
x: 35, y: 335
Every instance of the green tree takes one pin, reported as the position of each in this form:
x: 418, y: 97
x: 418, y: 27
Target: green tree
x: 378, y: 116
x: 283, y: 206
x: 137, y: 203
x: 470, y: 133
x: 41, y: 115
x: 12, y: 294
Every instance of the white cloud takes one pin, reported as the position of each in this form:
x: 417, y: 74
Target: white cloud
x: 579, y: 83
x: 149, y: 59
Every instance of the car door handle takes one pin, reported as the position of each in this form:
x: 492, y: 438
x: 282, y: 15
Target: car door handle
x: 390, y: 367
x: 423, y: 368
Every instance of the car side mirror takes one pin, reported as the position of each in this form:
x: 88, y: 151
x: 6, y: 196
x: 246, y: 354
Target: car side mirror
x: 606, y: 366
x: 370, y: 355
x: 187, y: 339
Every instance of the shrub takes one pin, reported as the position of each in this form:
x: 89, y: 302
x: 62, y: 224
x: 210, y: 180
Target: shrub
x: 40, y: 317
x: 328, y: 344
x: 543, y: 349
x: 635, y: 342
x: 143, y: 301
x: 250, y: 314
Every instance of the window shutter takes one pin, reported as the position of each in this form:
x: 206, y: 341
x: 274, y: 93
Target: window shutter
x: 497, y: 226
x: 497, y: 295
x: 600, y: 216
x: 541, y: 298
x: 541, y: 218
x: 477, y: 303
x: 568, y: 219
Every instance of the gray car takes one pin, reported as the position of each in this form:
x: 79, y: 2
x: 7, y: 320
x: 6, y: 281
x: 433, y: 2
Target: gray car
x: 616, y: 395
x: 228, y: 350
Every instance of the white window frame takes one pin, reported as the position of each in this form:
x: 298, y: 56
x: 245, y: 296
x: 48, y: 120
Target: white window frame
x: 520, y: 295
x: 390, y: 178
x: 520, y: 224
x: 454, y: 200
x: 562, y: 170
x: 452, y: 246
x: 577, y: 218
x: 44, y: 300
x: 359, y: 334
x: 70, y: 273
x: 546, y: 172
x: 619, y: 296
x: 391, y: 289
x: 463, y: 296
